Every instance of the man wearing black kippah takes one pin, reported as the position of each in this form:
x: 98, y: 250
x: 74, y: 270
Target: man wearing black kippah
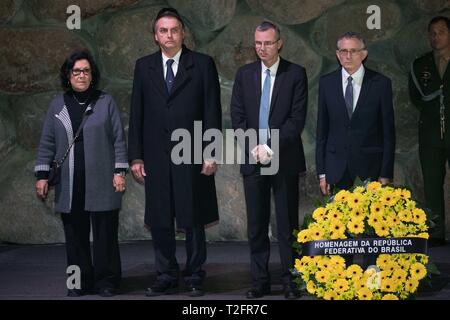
x: 173, y: 88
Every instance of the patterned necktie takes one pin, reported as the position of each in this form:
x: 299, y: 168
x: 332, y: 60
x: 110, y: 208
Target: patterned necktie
x: 169, y: 76
x: 349, y: 97
x: 264, y: 109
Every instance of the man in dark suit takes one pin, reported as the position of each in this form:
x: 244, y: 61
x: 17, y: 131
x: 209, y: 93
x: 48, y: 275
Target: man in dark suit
x: 429, y: 87
x: 355, y: 121
x: 173, y: 88
x: 268, y: 95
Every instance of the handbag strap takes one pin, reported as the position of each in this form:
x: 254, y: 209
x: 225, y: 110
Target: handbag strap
x: 85, y: 116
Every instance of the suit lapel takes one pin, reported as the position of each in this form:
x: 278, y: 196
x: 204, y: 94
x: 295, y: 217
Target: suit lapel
x: 367, y: 80
x: 157, y: 73
x: 257, y: 83
x: 184, y: 71
x: 277, y: 85
x: 339, y: 92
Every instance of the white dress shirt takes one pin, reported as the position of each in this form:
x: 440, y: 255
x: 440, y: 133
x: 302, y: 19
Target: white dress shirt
x: 357, y: 83
x: 273, y: 73
x: 176, y: 61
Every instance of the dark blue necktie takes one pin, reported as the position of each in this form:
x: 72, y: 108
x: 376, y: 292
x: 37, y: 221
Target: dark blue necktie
x: 349, y: 97
x: 264, y: 107
x: 169, y: 75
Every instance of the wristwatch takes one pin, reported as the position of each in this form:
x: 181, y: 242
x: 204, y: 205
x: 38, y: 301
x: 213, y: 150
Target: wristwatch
x: 121, y: 173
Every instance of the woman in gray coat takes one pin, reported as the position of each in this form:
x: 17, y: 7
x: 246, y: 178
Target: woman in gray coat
x: 92, y: 175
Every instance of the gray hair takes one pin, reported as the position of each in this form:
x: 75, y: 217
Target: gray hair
x: 266, y: 25
x: 351, y: 35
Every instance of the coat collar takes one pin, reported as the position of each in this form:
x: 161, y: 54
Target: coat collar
x: 279, y: 78
x: 183, y: 75
x: 366, y: 83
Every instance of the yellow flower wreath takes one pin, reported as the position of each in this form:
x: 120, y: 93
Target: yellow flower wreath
x: 372, y: 210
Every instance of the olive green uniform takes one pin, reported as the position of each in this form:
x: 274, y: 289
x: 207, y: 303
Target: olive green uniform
x: 431, y: 95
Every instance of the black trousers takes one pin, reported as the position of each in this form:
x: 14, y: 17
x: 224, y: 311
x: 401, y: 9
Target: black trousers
x: 257, y: 190
x: 104, y: 270
x: 433, y: 160
x: 164, y: 244
x: 167, y: 267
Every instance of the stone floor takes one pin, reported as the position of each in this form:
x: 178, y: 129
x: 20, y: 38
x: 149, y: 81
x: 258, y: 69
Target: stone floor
x: 36, y: 272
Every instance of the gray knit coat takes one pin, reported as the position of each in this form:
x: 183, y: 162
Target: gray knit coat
x: 104, y: 150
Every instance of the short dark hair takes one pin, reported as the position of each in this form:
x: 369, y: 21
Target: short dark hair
x: 167, y: 12
x: 351, y: 35
x: 68, y: 64
x: 266, y: 25
x: 438, y: 19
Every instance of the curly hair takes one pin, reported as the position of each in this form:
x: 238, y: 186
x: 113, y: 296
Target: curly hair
x: 70, y: 61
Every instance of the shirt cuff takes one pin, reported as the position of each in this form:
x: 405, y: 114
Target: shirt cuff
x: 269, y: 151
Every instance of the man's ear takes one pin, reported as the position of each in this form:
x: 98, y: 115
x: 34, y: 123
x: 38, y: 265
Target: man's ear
x: 280, y: 44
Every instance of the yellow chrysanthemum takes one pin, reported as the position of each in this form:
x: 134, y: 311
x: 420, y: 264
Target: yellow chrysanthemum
x: 322, y: 276
x: 333, y: 214
x: 383, y: 260
x: 355, y: 226
x: 311, y: 287
x: 304, y: 236
x: 405, y: 194
x: 357, y: 213
x: 340, y: 285
x: 389, y: 296
x: 337, y: 226
x: 373, y: 186
x: 388, y: 198
x: 364, y: 294
x: 361, y: 283
x: 359, y: 190
x: 323, y: 262
x: 374, y: 219
x: 299, y: 265
x: 411, y: 285
x: 381, y: 229
x: 405, y: 215
x: 341, y: 196
x: 388, y: 285
x: 337, y: 261
x: 419, y: 216
x: 377, y: 209
x: 330, y: 295
x: 418, y: 271
x: 316, y: 233
x: 355, y: 200
x: 319, y: 214
x: 354, y: 271
x: 399, y: 275
x: 335, y: 235
x: 393, y: 220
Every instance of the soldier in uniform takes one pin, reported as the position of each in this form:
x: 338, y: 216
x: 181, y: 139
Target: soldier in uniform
x: 429, y: 87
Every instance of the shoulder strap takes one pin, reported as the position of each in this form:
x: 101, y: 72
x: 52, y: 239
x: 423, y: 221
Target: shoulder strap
x: 85, y: 116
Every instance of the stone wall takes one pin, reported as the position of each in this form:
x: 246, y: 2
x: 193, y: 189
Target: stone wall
x: 34, y: 41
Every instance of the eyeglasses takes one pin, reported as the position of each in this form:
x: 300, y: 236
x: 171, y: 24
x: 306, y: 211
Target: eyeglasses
x: 77, y: 72
x: 344, y: 52
x: 265, y: 43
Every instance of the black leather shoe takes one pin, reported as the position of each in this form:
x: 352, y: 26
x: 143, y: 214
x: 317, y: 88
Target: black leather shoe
x: 106, y: 292
x: 195, y: 291
x: 292, y: 293
x: 256, y: 293
x: 160, y: 288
